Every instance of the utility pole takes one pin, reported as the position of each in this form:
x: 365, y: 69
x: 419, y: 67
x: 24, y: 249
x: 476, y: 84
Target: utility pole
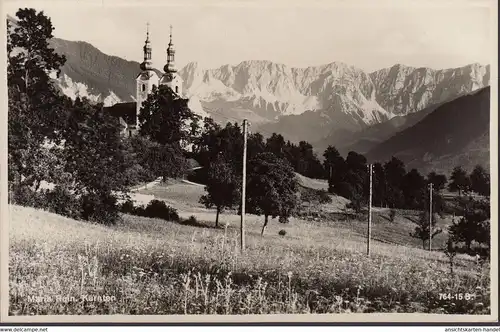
x: 243, y: 187
x: 430, y: 216
x: 369, y: 213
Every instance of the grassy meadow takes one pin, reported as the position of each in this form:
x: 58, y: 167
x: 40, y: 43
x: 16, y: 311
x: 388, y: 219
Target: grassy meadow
x: 150, y: 266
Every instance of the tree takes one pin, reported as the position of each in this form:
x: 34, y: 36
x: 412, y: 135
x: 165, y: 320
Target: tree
x: 438, y: 180
x: 394, y: 171
x: 203, y: 143
x: 272, y: 188
x: 422, y: 228
x: 94, y: 156
x: 255, y: 145
x: 36, y: 111
x: 223, y: 187
x: 166, y: 119
x: 334, y: 166
x: 357, y: 176
x: 474, y: 223
x: 379, y: 185
x: 227, y: 143
x: 276, y: 144
x: 414, y: 189
x: 137, y: 150
x: 480, y: 181
x: 30, y: 59
x: 166, y: 161
x: 459, y: 181
x: 308, y: 164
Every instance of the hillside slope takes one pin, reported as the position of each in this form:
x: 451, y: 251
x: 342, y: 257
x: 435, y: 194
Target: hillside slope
x: 89, y: 72
x: 456, y: 133
x: 364, y: 140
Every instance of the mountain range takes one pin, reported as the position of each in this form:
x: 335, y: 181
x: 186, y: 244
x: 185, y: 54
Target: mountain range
x: 455, y: 134
x: 333, y: 104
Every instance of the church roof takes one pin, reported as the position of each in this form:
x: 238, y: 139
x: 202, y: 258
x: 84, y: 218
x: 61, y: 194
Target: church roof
x: 126, y: 111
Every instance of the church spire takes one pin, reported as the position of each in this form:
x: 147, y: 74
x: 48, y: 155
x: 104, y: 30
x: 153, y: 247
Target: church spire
x: 170, y: 66
x: 147, y: 63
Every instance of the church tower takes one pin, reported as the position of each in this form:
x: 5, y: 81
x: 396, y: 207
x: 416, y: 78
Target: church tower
x: 171, y: 78
x: 147, y: 78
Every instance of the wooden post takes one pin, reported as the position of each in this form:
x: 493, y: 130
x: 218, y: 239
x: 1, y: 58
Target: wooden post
x: 369, y: 214
x: 243, y: 187
x: 430, y: 216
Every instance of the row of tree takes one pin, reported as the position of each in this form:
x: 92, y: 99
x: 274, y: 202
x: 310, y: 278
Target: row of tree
x: 393, y: 186
x: 272, y: 187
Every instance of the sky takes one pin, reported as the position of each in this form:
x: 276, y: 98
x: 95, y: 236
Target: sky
x: 438, y: 34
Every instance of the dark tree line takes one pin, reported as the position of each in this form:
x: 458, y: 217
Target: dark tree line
x: 393, y: 185
x: 229, y: 141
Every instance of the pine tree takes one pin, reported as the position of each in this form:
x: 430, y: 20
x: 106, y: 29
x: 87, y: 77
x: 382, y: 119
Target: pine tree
x: 474, y: 223
x: 480, y: 181
x: 422, y: 228
x: 394, y: 171
x: 36, y: 112
x: 438, y: 180
x: 459, y: 181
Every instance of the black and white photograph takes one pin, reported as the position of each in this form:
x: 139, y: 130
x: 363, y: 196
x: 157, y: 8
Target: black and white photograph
x: 324, y: 160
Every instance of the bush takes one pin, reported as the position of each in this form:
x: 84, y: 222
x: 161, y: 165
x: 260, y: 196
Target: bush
x: 158, y: 209
x: 24, y: 195
x: 100, y: 207
x: 309, y: 195
x: 191, y: 221
x: 127, y: 207
x: 282, y: 232
x: 155, y: 209
x: 324, y: 198
x: 63, y: 202
x: 137, y: 174
x: 284, y: 219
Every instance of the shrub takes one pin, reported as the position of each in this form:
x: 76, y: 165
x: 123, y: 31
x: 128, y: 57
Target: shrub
x: 63, y: 202
x: 100, y: 207
x: 127, y: 207
x: 324, y: 198
x: 158, y: 209
x: 284, y: 219
x: 137, y: 174
x: 282, y: 232
x: 24, y: 195
x: 309, y: 195
x: 191, y: 221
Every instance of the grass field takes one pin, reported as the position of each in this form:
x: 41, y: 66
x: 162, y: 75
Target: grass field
x: 149, y: 266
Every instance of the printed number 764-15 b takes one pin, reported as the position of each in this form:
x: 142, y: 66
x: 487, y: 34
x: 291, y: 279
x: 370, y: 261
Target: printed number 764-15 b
x: 457, y: 296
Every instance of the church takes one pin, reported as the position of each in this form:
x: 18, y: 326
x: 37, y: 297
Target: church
x: 146, y: 81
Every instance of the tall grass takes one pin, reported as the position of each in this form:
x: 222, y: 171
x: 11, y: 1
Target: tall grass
x: 149, y: 266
